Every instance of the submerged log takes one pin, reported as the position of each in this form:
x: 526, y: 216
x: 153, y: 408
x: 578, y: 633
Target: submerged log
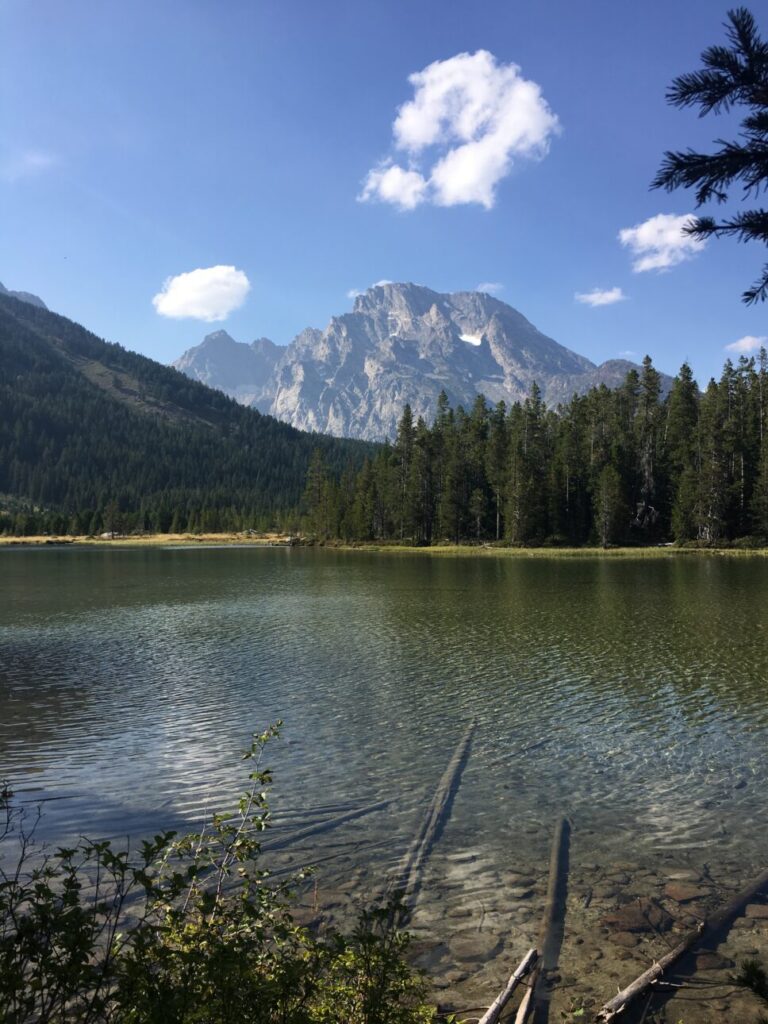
x: 552, y: 927
x: 494, y: 1011
x: 708, y: 929
x: 408, y: 877
x: 525, y: 1003
x: 323, y: 826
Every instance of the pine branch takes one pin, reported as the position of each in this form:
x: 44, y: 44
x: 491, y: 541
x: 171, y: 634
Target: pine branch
x: 759, y: 290
x: 730, y: 76
x: 712, y: 173
x: 743, y: 31
x: 756, y: 124
x: 751, y: 225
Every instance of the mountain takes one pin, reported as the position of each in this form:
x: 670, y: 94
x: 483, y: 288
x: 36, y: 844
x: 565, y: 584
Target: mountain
x: 401, y: 343
x: 242, y: 371
x: 33, y: 300
x: 84, y: 423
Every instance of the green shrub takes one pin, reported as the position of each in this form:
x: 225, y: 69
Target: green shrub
x: 191, y: 930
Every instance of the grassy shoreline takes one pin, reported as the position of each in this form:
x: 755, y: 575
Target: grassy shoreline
x: 150, y: 540
x: 159, y: 540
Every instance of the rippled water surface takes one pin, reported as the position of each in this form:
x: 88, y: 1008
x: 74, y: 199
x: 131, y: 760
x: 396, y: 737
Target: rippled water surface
x: 631, y: 695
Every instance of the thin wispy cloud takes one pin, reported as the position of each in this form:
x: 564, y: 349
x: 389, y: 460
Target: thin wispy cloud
x: 749, y: 343
x: 660, y: 242
x: 470, y: 118
x: 490, y: 287
x: 628, y: 353
x: 209, y: 294
x: 601, y: 297
x: 29, y: 163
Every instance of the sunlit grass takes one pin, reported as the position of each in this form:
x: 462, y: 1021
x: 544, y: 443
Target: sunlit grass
x: 435, y: 551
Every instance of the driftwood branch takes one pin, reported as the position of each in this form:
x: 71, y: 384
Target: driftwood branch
x: 709, y: 928
x: 495, y: 1009
x: 408, y: 877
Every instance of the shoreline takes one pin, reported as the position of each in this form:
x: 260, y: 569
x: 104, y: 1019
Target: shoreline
x: 273, y: 540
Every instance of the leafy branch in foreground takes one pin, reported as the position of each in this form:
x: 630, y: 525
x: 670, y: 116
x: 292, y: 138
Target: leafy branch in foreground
x: 190, y: 929
x: 735, y: 75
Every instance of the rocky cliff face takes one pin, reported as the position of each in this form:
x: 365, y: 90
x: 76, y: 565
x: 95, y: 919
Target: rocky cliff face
x: 242, y: 371
x: 401, y: 343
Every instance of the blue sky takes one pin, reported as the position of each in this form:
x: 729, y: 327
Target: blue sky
x: 140, y: 141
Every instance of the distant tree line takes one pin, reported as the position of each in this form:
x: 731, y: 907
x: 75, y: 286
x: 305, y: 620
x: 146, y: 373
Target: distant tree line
x: 628, y: 465
x: 165, y: 513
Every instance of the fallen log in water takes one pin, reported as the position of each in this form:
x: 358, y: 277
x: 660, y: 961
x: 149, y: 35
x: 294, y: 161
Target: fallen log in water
x: 707, y: 929
x: 552, y: 928
x: 495, y: 1009
x: 525, y: 1003
x: 408, y: 877
x: 323, y: 826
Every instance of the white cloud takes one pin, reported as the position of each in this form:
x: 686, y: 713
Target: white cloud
x: 628, y: 353
x: 601, y: 297
x: 392, y: 184
x: 381, y: 283
x: 204, y: 294
x: 27, y: 164
x: 490, y: 287
x: 749, y: 343
x: 353, y: 293
x: 659, y: 242
x: 475, y: 116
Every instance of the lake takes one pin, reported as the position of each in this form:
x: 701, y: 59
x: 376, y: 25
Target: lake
x: 628, y: 694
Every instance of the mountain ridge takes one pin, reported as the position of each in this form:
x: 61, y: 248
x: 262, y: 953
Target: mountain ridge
x: 85, y: 423
x: 33, y: 300
x: 401, y: 343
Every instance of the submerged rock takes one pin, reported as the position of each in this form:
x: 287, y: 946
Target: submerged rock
x: 684, y: 875
x: 638, y: 917
x: 681, y: 892
x: 475, y: 947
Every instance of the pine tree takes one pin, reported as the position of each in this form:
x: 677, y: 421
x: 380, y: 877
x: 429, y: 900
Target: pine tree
x: 496, y: 460
x: 646, y: 428
x: 712, y: 477
x: 608, y: 506
x: 680, y: 450
x: 735, y: 75
x: 316, y: 496
x: 403, y: 456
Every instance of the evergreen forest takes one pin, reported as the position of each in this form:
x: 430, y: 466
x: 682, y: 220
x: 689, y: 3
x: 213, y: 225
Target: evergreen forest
x: 96, y: 438
x: 623, y: 466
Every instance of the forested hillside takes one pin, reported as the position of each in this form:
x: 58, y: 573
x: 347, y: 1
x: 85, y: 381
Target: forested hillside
x: 612, y: 466
x: 95, y: 437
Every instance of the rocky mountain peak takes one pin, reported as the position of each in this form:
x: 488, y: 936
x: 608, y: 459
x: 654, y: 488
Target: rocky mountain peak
x: 219, y: 338
x: 239, y: 369
x: 404, y: 343
x: 264, y: 346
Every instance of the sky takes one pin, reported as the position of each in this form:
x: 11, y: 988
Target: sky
x: 170, y: 169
